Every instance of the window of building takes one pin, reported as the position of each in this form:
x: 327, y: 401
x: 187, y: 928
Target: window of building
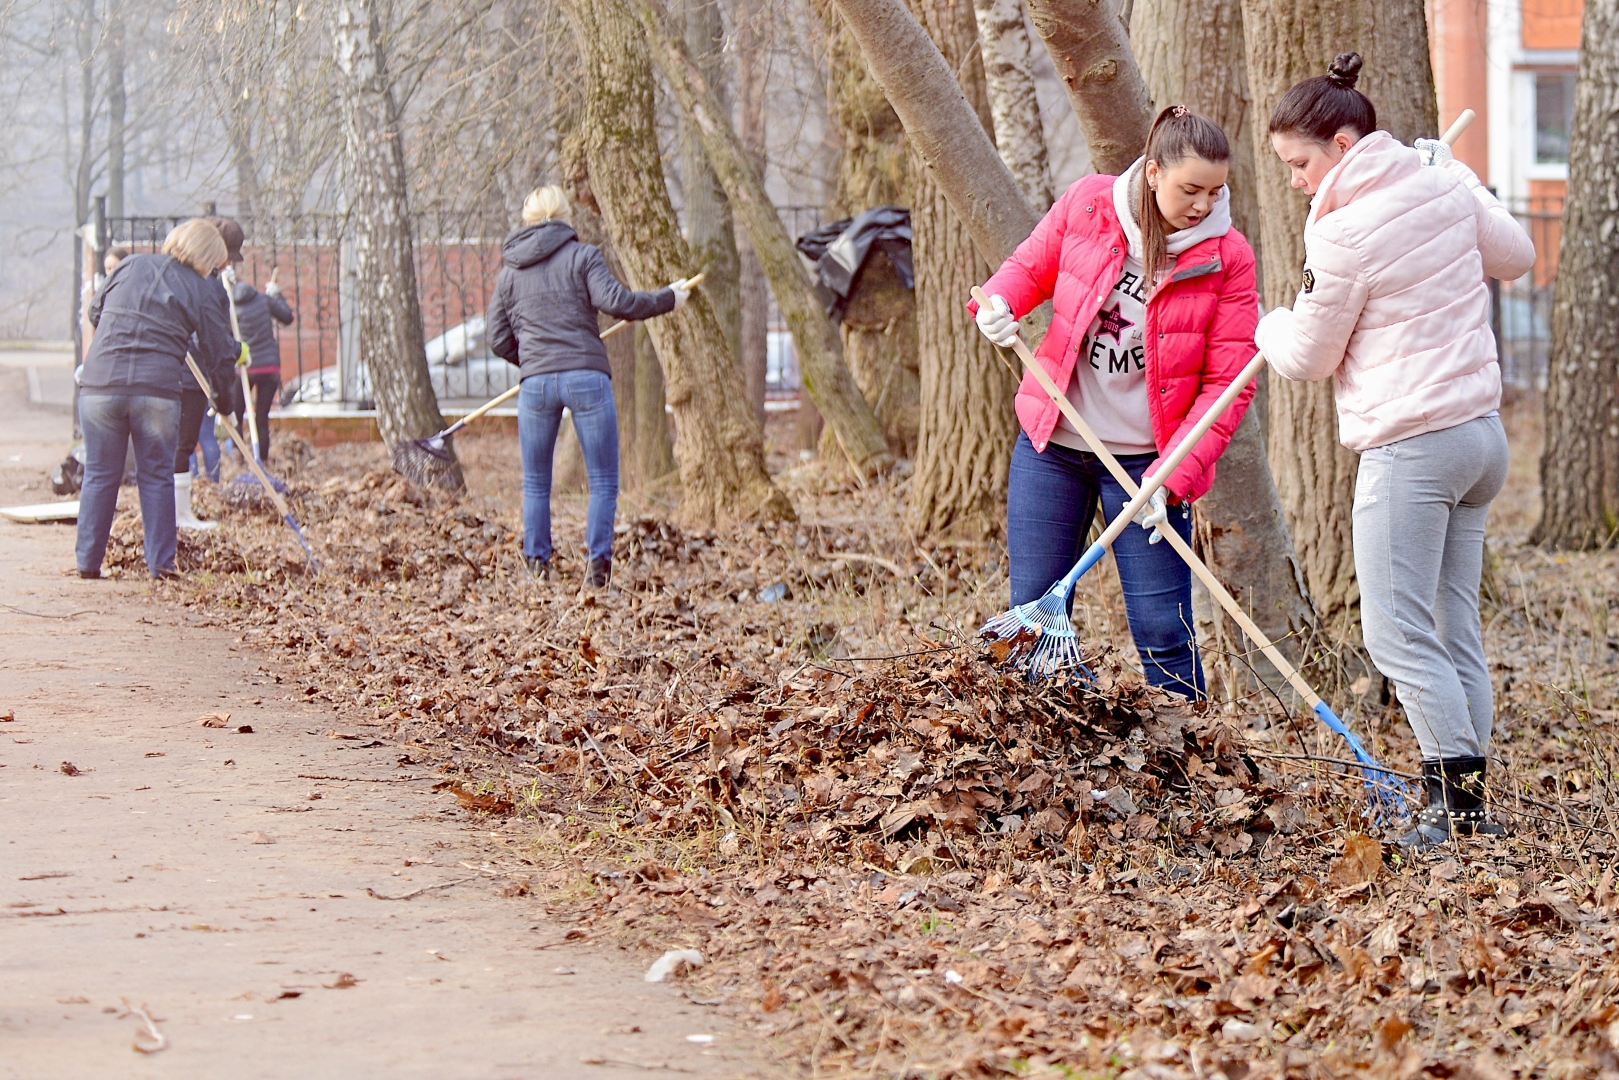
x: 1554, y: 116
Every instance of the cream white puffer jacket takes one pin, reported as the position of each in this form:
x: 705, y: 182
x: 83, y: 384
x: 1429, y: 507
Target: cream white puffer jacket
x: 1395, y: 302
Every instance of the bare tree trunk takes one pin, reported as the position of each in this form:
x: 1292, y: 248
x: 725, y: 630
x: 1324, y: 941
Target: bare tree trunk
x: 820, y: 351
x: 651, y: 445
x: 718, y: 442
x: 1009, y: 74
x: 1090, y: 46
x: 1579, y: 471
x: 1286, y: 41
x: 117, y: 108
x: 968, y: 424
x: 943, y: 129
x: 879, y: 324
x: 709, y: 229
x: 390, y: 317
x: 752, y: 23
x: 1192, y: 54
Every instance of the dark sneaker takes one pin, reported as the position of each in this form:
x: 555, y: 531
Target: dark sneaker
x: 599, y: 573
x: 91, y: 574
x: 539, y: 568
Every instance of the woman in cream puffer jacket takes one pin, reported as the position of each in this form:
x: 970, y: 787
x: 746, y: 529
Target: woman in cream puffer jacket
x: 1395, y: 307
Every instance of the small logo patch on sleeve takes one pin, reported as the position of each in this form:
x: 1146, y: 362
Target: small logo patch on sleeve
x: 1309, y: 280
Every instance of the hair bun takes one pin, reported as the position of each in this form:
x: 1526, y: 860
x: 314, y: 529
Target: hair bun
x: 1344, y: 70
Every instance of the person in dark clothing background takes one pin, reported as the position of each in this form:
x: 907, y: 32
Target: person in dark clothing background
x: 543, y: 319
x: 256, y: 314
x: 149, y: 313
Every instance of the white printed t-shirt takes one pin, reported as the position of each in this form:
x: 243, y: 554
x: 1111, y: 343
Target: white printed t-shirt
x: 1109, y: 387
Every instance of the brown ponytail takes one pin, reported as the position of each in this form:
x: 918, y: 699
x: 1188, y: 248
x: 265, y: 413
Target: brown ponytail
x: 1178, y: 133
x: 1321, y: 107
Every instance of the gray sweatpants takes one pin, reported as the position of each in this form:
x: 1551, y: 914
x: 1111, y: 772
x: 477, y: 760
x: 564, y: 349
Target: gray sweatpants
x: 1420, y: 506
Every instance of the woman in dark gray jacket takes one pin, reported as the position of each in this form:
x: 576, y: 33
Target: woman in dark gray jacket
x: 543, y: 319
x: 149, y: 313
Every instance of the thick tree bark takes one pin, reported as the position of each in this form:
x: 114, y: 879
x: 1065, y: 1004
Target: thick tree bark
x: 709, y: 228
x: 820, y: 351
x: 651, y: 445
x: 1013, y: 103
x: 1090, y: 45
x: 718, y: 443
x: 1286, y: 41
x: 879, y: 325
x: 1192, y: 54
x: 1579, y: 471
x: 752, y: 22
x: 390, y: 317
x: 968, y: 423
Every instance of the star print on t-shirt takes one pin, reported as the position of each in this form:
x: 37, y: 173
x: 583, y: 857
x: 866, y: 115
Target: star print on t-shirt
x: 1112, y: 321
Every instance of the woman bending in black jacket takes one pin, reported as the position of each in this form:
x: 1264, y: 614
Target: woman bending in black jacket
x: 543, y: 319
x: 147, y: 315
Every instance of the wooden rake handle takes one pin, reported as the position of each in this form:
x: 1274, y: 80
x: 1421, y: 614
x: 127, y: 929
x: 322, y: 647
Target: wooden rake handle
x: 689, y: 283
x: 1182, y: 548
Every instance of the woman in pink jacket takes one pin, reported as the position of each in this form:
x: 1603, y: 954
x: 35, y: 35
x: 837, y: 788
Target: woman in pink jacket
x: 1153, y: 315
x: 1394, y: 306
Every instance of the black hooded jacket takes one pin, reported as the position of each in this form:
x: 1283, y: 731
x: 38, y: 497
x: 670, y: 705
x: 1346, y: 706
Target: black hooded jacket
x: 254, y: 312
x: 150, y: 312
x: 543, y: 314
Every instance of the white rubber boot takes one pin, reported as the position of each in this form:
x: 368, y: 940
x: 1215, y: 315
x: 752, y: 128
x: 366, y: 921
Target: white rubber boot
x: 183, y: 517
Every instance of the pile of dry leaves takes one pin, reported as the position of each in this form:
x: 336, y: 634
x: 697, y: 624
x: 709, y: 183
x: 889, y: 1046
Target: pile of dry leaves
x: 781, y: 747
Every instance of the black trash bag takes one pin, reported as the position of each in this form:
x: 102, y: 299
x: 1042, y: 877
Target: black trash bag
x: 68, y: 477
x: 840, y: 250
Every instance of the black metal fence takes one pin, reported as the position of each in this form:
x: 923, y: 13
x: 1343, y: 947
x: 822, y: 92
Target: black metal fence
x: 457, y: 259
x: 1523, y: 308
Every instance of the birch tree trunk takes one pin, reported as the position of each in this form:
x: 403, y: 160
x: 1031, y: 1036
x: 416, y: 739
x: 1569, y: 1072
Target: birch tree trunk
x: 968, y: 423
x: 752, y: 22
x: 1090, y: 45
x: 1579, y: 471
x: 1191, y: 53
x: 1286, y: 41
x: 879, y: 324
x: 1013, y: 104
x: 389, y: 311
x: 709, y: 228
x: 820, y: 351
x: 718, y: 443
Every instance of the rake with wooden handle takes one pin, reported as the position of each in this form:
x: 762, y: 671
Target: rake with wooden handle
x: 429, y: 461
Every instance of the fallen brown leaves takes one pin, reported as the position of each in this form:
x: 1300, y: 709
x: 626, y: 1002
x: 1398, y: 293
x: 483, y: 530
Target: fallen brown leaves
x: 918, y: 866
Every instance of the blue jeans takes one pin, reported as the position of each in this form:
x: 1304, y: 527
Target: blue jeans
x: 207, y: 449
x: 588, y: 395
x: 1050, y: 499
x: 111, y: 422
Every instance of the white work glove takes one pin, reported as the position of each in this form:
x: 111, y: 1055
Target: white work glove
x: 682, y: 292
x: 1154, y: 514
x: 1433, y: 151
x: 272, y: 289
x: 995, y: 321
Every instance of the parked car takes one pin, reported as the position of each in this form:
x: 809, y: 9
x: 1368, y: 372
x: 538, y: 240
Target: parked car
x: 480, y: 377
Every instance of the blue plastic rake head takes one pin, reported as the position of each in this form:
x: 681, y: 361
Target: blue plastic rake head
x: 1388, y: 797
x: 1044, y: 642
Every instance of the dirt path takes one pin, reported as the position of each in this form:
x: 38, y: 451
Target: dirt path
x: 224, y: 880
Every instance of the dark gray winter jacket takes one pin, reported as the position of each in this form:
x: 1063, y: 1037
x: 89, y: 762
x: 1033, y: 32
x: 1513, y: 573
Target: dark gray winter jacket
x: 543, y: 314
x: 147, y: 315
x: 254, y: 314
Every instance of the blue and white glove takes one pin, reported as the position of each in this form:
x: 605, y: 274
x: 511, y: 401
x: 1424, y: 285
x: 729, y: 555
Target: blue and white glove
x: 1433, y: 151
x: 996, y: 322
x: 1154, y: 514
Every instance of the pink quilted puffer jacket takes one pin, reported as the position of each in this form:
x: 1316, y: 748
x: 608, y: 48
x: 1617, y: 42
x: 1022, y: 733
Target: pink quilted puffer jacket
x: 1199, y: 332
x: 1395, y: 305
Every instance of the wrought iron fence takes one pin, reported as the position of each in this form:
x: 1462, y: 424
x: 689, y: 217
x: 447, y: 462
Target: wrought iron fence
x: 457, y: 259
x: 1523, y: 308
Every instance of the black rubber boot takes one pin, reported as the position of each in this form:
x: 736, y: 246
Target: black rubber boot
x: 539, y: 568
x: 599, y: 573
x: 1455, y: 804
